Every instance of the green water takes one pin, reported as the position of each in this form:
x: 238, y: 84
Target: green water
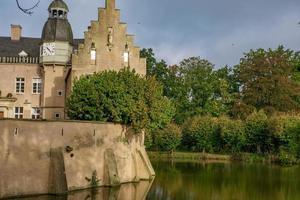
x: 202, y: 181
x: 214, y: 181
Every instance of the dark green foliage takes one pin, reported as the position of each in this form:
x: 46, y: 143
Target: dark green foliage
x: 168, y: 138
x: 122, y: 97
x: 233, y: 134
x: 258, y: 137
x: 201, y: 134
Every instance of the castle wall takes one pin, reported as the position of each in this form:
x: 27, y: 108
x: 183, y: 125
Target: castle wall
x: 41, y: 157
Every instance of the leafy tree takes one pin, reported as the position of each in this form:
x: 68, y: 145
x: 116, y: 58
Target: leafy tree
x: 266, y: 79
x: 122, y: 97
x: 206, y: 91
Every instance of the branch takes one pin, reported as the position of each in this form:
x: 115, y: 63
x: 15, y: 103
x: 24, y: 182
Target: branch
x: 27, y: 10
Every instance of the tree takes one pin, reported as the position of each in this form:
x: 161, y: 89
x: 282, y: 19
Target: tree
x: 207, y: 92
x: 266, y: 78
x: 122, y: 97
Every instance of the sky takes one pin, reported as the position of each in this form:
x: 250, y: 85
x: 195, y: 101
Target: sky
x: 218, y: 30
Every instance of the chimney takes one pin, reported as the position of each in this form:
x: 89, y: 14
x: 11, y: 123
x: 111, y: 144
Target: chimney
x: 16, y: 32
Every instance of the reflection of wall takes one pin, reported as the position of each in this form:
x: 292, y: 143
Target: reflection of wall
x: 130, y: 191
x: 56, y: 157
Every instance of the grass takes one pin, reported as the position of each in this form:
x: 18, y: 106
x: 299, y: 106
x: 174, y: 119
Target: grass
x: 188, y: 156
x: 207, y: 157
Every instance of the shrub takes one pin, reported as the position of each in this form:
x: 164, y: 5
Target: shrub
x: 201, y: 134
x: 168, y: 138
x: 233, y: 134
x: 284, y: 130
x: 258, y: 138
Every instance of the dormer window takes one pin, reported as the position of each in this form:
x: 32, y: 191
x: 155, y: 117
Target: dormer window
x: 23, y: 54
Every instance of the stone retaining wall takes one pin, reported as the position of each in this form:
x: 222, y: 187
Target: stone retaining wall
x: 48, y: 157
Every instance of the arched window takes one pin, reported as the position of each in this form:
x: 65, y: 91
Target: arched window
x: 54, y: 13
x: 61, y: 14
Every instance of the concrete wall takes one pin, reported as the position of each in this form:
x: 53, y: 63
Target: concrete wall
x: 41, y: 157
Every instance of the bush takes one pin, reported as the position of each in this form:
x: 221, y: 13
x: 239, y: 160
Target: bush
x: 285, y: 158
x: 233, y: 134
x: 258, y: 138
x: 201, y: 134
x: 167, y: 139
x: 285, y: 133
x: 123, y: 97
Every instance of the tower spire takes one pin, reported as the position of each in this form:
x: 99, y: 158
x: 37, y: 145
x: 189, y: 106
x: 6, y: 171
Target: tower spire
x: 110, y: 4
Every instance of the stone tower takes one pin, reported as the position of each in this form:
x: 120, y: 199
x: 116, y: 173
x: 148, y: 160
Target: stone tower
x: 55, y: 57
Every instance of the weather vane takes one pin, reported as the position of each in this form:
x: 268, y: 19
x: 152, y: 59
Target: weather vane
x: 27, y: 10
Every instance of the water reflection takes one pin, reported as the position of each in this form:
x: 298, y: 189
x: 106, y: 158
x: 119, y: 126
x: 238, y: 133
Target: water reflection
x: 226, y: 181
x: 136, y: 191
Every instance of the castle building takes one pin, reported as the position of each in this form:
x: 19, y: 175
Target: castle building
x: 37, y: 73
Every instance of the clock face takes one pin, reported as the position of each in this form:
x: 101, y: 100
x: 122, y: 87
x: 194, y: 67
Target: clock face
x: 48, y: 49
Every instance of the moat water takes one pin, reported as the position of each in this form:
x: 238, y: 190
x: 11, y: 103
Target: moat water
x: 203, y: 181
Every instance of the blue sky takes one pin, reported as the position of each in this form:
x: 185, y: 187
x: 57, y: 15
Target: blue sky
x: 217, y: 30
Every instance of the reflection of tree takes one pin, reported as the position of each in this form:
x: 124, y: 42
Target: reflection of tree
x: 28, y: 11
x: 190, y: 181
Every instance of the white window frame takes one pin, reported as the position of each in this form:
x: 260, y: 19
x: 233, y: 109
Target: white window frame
x: 20, y: 81
x: 19, y: 112
x: 35, y: 113
x: 36, y: 86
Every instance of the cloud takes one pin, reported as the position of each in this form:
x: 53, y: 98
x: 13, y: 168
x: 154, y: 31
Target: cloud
x: 217, y: 30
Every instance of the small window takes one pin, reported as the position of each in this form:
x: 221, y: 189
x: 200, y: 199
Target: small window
x: 36, y: 86
x: 20, y: 85
x: 93, y: 51
x: 93, y: 54
x: 19, y: 112
x: 60, y: 93
x: 35, y: 113
x: 126, y: 57
x: 57, y: 116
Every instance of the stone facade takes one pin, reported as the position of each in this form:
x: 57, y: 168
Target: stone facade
x: 52, y: 62
x: 50, y: 157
